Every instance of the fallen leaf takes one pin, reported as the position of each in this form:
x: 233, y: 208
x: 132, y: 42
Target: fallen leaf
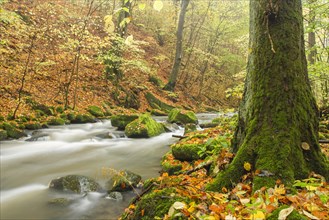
x: 230, y: 217
x: 247, y: 166
x: 259, y: 215
x: 284, y: 213
x: 310, y: 215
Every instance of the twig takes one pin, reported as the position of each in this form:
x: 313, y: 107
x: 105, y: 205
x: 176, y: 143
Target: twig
x: 324, y: 141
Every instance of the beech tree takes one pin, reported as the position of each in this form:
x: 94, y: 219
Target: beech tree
x: 277, y: 132
x: 179, y: 47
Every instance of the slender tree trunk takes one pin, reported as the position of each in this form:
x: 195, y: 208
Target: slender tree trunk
x: 179, y: 48
x: 311, y: 36
x: 277, y: 131
x: 25, y: 72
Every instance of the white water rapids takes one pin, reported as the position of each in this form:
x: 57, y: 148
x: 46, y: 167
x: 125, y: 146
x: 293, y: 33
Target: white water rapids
x: 28, y: 166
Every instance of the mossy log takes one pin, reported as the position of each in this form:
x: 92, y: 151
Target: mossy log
x: 278, y: 115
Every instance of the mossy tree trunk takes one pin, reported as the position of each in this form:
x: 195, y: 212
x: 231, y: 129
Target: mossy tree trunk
x: 278, y: 114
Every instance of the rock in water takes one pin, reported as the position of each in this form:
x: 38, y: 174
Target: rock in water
x: 123, y: 181
x: 75, y: 183
x: 115, y: 196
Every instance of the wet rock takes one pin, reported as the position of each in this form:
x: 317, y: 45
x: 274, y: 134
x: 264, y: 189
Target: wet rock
x: 144, y: 127
x: 95, y: 111
x: 75, y: 183
x: 121, y: 121
x: 180, y: 116
x: 123, y: 181
x: 3, y: 135
x: 13, y: 131
x: 190, y: 127
x: 170, y: 127
x: 82, y: 119
x: 115, y: 196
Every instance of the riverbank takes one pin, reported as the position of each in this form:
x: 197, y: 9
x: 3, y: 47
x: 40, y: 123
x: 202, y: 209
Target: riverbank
x: 181, y: 192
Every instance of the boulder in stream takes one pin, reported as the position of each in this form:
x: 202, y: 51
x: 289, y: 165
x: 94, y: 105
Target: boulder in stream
x: 181, y: 116
x: 117, y: 196
x: 123, y: 181
x: 75, y: 183
x: 144, y: 127
x: 13, y: 131
x: 121, y: 121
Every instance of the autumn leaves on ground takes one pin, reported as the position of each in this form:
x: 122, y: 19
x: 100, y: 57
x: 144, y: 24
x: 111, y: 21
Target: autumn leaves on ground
x: 181, y: 190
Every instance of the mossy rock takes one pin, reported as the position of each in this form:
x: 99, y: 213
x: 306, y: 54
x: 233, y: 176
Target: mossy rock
x: 95, y: 111
x: 180, y: 116
x: 3, y: 135
x: 55, y: 121
x: 294, y: 215
x: 123, y: 181
x: 170, y: 166
x: 157, y: 112
x: 155, y: 204
x: 186, y: 152
x: 190, y: 127
x: 33, y: 125
x: 144, y: 127
x: 75, y: 183
x: 156, y: 103
x: 59, y: 109
x: 83, y: 118
x: 121, y: 121
x: 13, y: 131
x: 2, y: 118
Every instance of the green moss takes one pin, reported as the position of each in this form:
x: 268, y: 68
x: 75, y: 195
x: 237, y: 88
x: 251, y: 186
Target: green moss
x: 60, y: 109
x: 3, y: 135
x: 83, y: 118
x: 32, y: 125
x: 156, y: 204
x: 158, y: 112
x: 95, y: 111
x: 170, y: 166
x: 55, y: 121
x: 123, y: 181
x: 2, y: 118
x: 144, y: 127
x: 13, y: 131
x: 75, y: 183
x: 186, y: 152
x: 182, y: 117
x: 294, y: 215
x: 121, y: 121
x: 156, y: 103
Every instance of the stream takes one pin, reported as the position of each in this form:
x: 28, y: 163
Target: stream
x: 29, y: 164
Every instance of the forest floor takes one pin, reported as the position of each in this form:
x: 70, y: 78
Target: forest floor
x: 189, y: 199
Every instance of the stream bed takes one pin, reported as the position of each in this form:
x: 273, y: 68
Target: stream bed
x: 29, y: 164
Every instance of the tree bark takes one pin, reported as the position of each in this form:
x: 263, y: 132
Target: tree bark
x: 278, y: 114
x: 170, y: 86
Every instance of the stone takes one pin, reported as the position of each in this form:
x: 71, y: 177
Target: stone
x: 75, y: 183
x: 117, y: 196
x: 121, y: 121
x: 180, y: 116
x: 144, y: 127
x: 123, y: 181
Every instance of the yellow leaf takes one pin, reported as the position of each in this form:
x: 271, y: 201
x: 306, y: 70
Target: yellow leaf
x: 311, y: 188
x: 158, y: 5
x: 259, y: 215
x: 132, y: 206
x: 284, y: 213
x: 192, y: 207
x: 247, y: 166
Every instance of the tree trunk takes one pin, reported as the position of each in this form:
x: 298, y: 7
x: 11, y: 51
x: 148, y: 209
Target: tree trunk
x: 278, y: 116
x: 179, y: 47
x: 311, y: 36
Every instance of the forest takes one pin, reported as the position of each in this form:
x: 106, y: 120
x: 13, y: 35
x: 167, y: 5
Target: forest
x: 164, y: 109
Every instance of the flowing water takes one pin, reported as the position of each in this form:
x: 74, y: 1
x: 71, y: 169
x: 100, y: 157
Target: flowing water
x: 28, y: 165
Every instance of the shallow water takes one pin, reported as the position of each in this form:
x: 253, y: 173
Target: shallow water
x: 28, y: 166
